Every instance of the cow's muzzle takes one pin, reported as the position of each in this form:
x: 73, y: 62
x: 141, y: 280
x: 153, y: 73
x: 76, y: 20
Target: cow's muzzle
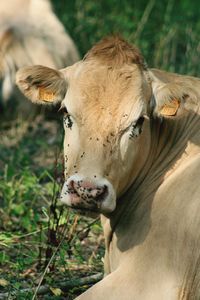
x: 86, y: 194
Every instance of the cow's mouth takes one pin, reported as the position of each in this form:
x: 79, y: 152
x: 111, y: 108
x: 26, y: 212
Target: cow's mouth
x: 87, y: 196
x: 87, y: 203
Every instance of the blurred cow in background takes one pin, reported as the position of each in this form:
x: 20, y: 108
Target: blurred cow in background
x: 30, y: 33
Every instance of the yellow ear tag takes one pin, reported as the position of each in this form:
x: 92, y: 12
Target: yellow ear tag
x: 171, y: 108
x: 45, y: 95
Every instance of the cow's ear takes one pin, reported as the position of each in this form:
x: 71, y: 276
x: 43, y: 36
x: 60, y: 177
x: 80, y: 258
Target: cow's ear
x: 41, y: 84
x: 172, y: 94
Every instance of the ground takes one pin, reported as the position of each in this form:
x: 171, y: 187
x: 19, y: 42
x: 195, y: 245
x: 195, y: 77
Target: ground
x: 41, y: 242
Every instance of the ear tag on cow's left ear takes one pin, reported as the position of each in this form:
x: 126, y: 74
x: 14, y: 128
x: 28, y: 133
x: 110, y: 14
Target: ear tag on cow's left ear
x: 45, y: 95
x: 171, y: 108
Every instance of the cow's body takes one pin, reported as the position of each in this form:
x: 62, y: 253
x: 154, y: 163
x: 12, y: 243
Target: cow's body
x: 153, y: 238
x: 30, y: 33
x: 132, y: 153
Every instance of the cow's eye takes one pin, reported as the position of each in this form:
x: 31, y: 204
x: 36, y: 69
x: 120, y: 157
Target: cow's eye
x: 67, y: 120
x: 136, y: 128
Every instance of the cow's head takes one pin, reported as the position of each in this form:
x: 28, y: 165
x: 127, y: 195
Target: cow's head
x: 106, y: 101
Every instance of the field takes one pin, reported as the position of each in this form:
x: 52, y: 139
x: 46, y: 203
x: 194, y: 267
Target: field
x: 46, y: 250
x: 167, y: 32
x: 41, y: 242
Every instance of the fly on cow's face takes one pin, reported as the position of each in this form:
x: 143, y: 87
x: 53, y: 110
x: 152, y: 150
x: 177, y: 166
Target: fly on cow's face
x: 136, y: 128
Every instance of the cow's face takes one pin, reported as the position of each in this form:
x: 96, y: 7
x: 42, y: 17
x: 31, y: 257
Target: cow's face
x: 106, y: 133
x: 106, y: 127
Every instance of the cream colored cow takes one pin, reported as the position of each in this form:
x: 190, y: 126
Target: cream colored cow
x: 30, y: 33
x: 132, y: 153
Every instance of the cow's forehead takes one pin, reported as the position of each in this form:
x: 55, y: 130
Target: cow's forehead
x: 92, y: 83
x: 87, y: 74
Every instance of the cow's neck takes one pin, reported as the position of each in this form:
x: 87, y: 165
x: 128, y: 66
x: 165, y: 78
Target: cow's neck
x: 172, y: 141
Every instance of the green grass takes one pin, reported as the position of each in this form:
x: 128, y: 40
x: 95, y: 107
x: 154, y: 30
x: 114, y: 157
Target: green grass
x: 36, y: 231
x: 39, y: 239
x: 167, y: 32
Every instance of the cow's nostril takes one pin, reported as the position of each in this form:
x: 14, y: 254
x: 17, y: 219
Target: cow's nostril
x: 97, y: 192
x: 102, y: 193
x: 71, y: 187
x: 88, y: 190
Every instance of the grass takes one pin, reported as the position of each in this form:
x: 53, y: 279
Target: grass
x: 167, y: 32
x: 40, y: 240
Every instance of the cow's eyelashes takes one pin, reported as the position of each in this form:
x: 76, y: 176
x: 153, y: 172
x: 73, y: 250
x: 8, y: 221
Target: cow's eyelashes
x: 136, y: 128
x: 67, y: 121
x: 63, y: 109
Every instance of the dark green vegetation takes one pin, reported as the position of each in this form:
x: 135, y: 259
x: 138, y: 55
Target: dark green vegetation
x: 38, y: 238
x: 40, y: 242
x: 167, y: 32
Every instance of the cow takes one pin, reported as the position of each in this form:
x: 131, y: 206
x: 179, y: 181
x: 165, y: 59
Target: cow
x: 30, y: 34
x: 132, y: 155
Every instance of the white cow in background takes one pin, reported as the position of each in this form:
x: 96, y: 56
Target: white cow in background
x: 30, y: 33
